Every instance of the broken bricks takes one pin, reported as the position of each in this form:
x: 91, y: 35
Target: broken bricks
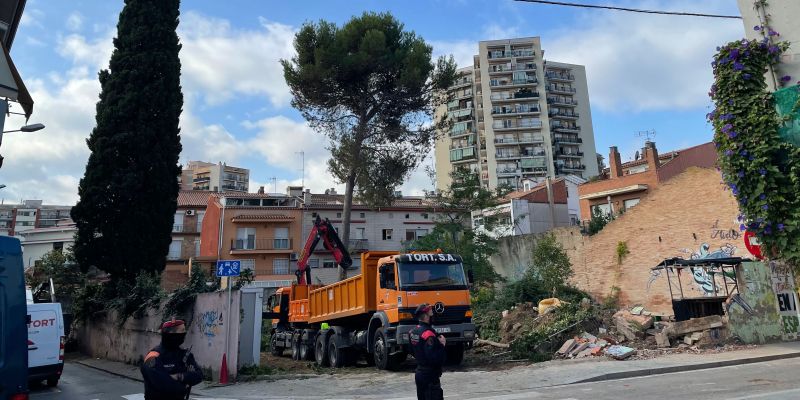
x: 618, y: 352
x: 632, y: 326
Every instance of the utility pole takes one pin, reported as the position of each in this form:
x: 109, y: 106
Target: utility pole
x: 549, y: 185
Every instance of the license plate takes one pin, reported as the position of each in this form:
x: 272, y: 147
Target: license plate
x: 444, y: 329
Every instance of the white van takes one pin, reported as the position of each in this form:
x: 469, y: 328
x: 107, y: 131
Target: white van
x: 45, y: 342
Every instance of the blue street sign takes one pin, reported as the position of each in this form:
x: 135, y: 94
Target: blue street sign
x: 228, y: 267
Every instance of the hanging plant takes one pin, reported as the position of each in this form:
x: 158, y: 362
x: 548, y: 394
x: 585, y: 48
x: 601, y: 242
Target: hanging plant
x: 761, y: 170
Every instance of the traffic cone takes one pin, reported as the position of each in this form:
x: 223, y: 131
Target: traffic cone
x: 223, y: 371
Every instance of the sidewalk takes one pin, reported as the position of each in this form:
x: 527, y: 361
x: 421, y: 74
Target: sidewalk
x: 380, y: 385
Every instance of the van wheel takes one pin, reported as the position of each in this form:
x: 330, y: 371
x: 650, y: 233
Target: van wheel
x: 321, y: 351
x: 273, y: 347
x: 382, y: 358
x: 52, y: 381
x: 336, y: 355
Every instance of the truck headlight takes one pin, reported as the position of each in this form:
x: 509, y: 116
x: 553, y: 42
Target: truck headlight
x: 470, y: 335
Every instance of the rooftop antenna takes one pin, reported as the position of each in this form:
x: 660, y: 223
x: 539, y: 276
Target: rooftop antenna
x: 648, y: 135
x: 303, y: 167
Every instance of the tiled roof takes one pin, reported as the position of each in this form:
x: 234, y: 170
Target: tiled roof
x: 262, y: 217
x: 518, y: 194
x: 337, y: 200
x: 193, y: 198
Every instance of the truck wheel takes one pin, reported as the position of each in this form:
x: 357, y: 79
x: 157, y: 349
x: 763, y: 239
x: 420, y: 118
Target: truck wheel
x: 321, y: 351
x: 305, y: 351
x: 295, y: 347
x: 52, y: 381
x: 273, y: 347
x: 455, y: 354
x: 383, y: 360
x: 336, y: 355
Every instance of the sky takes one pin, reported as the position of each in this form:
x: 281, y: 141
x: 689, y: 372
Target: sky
x: 645, y: 72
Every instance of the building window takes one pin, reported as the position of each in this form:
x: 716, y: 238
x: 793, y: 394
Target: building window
x: 387, y: 234
x: 362, y: 215
x: 425, y: 215
x: 313, y: 215
x: 58, y: 246
x: 328, y: 264
x: 200, y: 216
x: 338, y: 215
x: 196, y: 248
x: 361, y: 233
x: 604, y: 208
x: 630, y: 203
x: 174, y: 250
x: 247, y: 264
x: 313, y: 263
x: 408, y: 216
x: 280, y: 266
x: 414, y: 234
x: 281, y: 240
x: 245, y: 239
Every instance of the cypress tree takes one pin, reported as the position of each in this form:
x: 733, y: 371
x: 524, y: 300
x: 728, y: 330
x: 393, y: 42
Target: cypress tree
x: 128, y: 194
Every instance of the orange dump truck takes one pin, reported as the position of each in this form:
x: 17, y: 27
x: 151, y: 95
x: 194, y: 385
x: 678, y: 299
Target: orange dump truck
x: 370, y: 315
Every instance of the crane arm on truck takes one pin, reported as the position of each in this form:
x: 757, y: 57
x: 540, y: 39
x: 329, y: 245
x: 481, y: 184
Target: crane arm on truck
x: 325, y: 231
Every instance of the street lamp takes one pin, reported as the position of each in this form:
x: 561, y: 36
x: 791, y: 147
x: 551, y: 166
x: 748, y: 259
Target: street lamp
x: 28, y: 128
x: 2, y: 186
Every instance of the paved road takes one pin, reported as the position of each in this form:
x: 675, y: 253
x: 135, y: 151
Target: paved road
x: 83, y: 383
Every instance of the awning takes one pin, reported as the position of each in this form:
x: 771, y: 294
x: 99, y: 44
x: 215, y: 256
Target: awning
x: 612, y: 192
x: 11, y: 85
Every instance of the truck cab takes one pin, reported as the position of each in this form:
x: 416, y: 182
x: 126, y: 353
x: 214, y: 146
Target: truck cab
x: 404, y: 282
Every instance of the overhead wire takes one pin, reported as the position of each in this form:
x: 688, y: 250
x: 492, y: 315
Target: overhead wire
x: 637, y: 10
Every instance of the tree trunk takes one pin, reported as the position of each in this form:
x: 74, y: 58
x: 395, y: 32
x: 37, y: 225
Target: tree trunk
x: 345, y: 231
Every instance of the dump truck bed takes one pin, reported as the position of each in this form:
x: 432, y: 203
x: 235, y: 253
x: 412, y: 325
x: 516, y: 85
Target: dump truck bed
x: 350, y: 297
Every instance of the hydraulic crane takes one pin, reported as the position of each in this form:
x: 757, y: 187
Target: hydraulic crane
x: 325, y: 231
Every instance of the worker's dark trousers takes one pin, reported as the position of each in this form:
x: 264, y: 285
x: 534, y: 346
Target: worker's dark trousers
x: 428, y: 386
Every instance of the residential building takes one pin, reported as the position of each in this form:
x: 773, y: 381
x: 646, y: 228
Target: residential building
x: 261, y: 230
x: 535, y: 210
x: 781, y: 16
x: 186, y: 228
x: 37, y: 242
x: 623, y: 185
x: 31, y: 214
x: 389, y: 228
x: 573, y: 202
x: 199, y: 175
x: 517, y: 116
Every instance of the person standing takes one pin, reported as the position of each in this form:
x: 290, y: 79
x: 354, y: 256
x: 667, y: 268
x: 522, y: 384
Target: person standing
x: 169, y: 371
x: 430, y: 354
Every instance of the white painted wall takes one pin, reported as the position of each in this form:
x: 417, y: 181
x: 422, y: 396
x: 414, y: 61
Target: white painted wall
x: 783, y: 19
x: 35, y: 244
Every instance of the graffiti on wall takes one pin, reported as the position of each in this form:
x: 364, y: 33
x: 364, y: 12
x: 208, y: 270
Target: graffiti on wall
x: 783, y: 285
x: 210, y: 324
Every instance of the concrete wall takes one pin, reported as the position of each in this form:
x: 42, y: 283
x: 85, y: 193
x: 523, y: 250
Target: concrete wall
x: 514, y: 252
x: 101, y: 337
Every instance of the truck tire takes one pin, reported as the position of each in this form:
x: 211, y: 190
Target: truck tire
x: 321, y: 351
x: 273, y: 346
x: 455, y: 354
x: 383, y: 360
x: 336, y: 355
x: 52, y: 381
x: 306, y: 351
x: 295, y: 347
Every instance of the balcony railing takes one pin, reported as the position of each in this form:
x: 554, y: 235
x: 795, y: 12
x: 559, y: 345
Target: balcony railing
x: 508, y: 171
x: 557, y: 76
x: 519, y: 110
x: 261, y: 244
x: 561, y: 89
x: 174, y: 255
x: 567, y: 139
x: 578, y: 167
x: 559, y: 128
x: 202, y: 179
x: 539, y: 153
x: 506, y: 155
x: 514, y: 82
x: 534, y: 125
x: 566, y: 102
x: 554, y: 113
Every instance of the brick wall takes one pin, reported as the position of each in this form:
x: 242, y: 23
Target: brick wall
x: 649, y: 178
x: 691, y: 215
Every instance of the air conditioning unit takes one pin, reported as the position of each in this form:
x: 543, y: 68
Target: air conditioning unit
x: 293, y: 257
x: 190, y: 212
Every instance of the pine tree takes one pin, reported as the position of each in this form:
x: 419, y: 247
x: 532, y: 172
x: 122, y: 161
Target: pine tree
x: 128, y: 194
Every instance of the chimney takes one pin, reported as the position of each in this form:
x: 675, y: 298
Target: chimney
x: 651, y: 155
x: 260, y: 190
x: 614, y: 163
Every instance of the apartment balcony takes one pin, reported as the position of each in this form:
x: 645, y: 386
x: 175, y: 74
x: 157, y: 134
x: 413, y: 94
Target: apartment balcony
x: 460, y: 112
x: 190, y: 228
x: 202, y: 179
x: 531, y: 125
x: 518, y: 141
x: 553, y: 76
x: 506, y: 156
x: 460, y: 133
x: 508, y: 172
x: 571, y: 168
x: 523, y: 53
x: 265, y: 246
x: 183, y: 254
x: 499, y: 55
x: 518, y: 111
x: 234, y: 188
x: 461, y: 146
x: 535, y: 171
x: 567, y: 140
x: 515, y: 83
x: 464, y: 154
x: 461, y: 83
x: 562, y: 90
x: 497, y: 98
x: 536, y: 153
x: 563, y: 114
x: 562, y: 102
x: 6, y: 216
x: 570, y: 155
x: 565, y: 129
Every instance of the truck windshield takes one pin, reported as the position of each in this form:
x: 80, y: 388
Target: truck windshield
x: 432, y: 276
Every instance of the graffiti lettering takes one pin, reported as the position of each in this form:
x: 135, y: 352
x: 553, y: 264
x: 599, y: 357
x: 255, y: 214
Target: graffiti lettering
x: 790, y: 323
x: 730, y: 234
x: 210, y: 324
x: 786, y: 302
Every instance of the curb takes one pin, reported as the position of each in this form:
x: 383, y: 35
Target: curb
x: 689, y: 367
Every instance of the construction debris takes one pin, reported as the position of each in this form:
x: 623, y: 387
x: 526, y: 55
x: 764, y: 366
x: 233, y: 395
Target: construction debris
x: 620, y: 352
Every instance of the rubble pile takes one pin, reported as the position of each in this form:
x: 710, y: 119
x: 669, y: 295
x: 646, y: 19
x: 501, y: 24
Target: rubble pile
x: 646, y: 335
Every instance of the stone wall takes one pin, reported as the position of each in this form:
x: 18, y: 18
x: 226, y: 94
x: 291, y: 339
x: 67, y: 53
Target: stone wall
x: 102, y: 337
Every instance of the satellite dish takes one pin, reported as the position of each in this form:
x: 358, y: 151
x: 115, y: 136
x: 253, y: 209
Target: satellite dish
x: 636, y: 157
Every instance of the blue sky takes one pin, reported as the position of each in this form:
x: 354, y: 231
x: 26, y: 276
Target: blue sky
x: 644, y: 72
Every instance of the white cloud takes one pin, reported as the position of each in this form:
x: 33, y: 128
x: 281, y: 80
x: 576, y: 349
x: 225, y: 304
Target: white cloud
x: 94, y: 53
x: 463, y: 51
x: 223, y: 62
x: 644, y: 62
x: 32, y: 17
x: 74, y: 21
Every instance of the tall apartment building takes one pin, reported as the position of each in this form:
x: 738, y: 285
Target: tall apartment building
x: 31, y: 214
x: 517, y: 116
x: 199, y: 175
